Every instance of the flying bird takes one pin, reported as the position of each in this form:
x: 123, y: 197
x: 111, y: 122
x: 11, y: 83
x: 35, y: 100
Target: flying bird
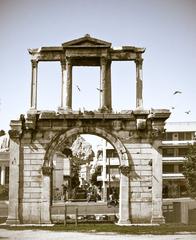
x: 176, y: 92
x: 187, y: 112
x: 172, y: 107
x: 78, y: 88
x: 99, y: 89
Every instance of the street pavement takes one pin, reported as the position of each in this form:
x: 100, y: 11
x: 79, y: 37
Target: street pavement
x: 43, y: 235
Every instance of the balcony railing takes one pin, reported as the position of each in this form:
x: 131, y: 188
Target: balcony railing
x: 173, y: 159
x: 113, y: 177
x: 177, y: 143
x: 171, y: 176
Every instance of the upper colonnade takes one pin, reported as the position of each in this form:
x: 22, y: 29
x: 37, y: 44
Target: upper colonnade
x: 86, y: 51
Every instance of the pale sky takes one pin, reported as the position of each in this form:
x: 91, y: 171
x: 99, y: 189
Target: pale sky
x: 167, y: 29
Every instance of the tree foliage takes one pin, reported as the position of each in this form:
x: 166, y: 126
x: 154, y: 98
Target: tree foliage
x: 189, y: 170
x: 75, y: 167
x: 94, y: 177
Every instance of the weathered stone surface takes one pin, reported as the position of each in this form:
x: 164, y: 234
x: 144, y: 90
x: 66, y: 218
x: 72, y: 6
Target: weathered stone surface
x: 135, y: 134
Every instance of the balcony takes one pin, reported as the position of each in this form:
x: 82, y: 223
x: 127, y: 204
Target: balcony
x: 113, y: 178
x: 173, y: 159
x: 177, y: 143
x: 113, y: 162
x: 172, y: 176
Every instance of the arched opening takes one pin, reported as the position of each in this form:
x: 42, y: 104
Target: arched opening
x: 65, y: 140
x: 87, y: 170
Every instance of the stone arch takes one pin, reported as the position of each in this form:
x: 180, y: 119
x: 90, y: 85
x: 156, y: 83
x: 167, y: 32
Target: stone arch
x: 66, y: 138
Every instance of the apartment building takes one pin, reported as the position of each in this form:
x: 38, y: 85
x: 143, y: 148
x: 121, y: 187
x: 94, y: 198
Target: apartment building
x: 106, y: 161
x: 4, y: 159
x: 177, y: 206
x: 177, y: 137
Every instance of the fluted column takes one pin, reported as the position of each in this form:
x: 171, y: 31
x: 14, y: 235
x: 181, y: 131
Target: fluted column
x: 103, y: 90
x: 34, y: 85
x: 68, y: 91
x: 139, y: 83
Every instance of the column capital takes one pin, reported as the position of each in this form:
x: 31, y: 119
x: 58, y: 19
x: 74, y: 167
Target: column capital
x: 63, y: 64
x: 47, y: 170
x: 34, y: 63
x: 139, y: 61
x: 125, y: 170
x: 103, y: 60
x: 68, y: 61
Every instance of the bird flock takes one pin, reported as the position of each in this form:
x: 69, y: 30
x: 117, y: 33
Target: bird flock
x: 172, y: 107
x: 100, y: 90
x: 179, y: 92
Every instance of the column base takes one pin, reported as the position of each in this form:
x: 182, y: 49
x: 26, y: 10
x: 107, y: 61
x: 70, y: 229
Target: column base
x: 12, y: 221
x: 158, y: 220
x: 104, y: 110
x: 123, y: 222
x: 45, y: 222
x: 32, y: 111
x: 64, y: 110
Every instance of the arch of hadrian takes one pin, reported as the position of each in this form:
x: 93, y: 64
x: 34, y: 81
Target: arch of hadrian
x: 136, y: 135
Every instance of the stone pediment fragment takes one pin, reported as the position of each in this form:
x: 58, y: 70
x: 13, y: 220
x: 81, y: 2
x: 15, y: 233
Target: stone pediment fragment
x: 86, y: 41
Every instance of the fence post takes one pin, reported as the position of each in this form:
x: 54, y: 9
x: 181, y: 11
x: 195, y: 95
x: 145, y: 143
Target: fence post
x: 65, y: 216
x: 76, y: 219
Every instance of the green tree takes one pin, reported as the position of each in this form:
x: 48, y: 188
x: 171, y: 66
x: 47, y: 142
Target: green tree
x: 189, y: 170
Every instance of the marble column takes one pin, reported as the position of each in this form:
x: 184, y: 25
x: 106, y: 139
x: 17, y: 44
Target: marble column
x: 103, y: 89
x: 63, y: 85
x: 34, y: 85
x: 139, y: 83
x: 68, y: 91
x: 109, y: 86
x: 3, y: 175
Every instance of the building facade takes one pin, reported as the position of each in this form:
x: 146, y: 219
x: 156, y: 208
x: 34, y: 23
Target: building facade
x: 4, y: 160
x: 106, y: 163
x: 177, y: 205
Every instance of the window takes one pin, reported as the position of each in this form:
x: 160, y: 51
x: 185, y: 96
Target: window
x: 181, y: 136
x: 168, y: 136
x: 188, y: 136
x: 168, y: 152
x: 111, y: 153
x: 6, y: 175
x: 182, y: 152
x: 185, y: 136
x: 168, y: 168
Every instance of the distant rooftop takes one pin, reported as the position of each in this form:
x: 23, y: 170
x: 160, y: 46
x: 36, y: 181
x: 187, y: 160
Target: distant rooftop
x: 180, y: 126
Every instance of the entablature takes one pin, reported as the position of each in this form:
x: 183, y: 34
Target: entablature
x: 88, y: 48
